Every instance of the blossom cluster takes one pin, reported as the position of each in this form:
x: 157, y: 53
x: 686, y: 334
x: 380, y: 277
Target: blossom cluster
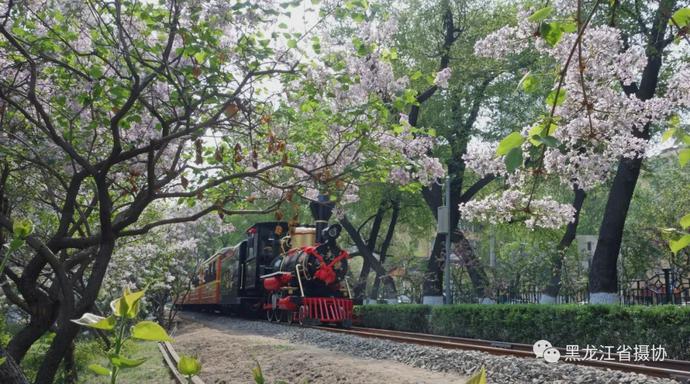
x: 358, y: 73
x: 514, y: 205
x: 592, y: 118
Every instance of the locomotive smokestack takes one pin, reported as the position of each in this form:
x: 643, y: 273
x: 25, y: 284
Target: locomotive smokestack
x: 321, y: 210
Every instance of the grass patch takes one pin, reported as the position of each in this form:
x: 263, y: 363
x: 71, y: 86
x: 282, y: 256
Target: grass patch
x: 152, y: 371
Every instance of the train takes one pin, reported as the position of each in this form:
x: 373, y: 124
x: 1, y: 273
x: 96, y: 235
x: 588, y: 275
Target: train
x: 283, y: 271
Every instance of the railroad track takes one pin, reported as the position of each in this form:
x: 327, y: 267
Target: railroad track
x: 674, y: 369
x: 171, y: 359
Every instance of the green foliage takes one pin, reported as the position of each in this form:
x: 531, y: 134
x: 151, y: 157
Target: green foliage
x: 478, y: 378
x: 681, y: 18
x: 551, y: 32
x: 406, y: 317
x: 540, y: 14
x: 99, y: 369
x: 556, y: 98
x: 257, y: 374
x: 679, y: 240
x: 667, y: 326
x: 678, y: 244
x: 511, y: 141
x: 188, y: 365
x: 529, y: 83
x: 148, y: 330
x: 513, y: 159
x: 125, y: 309
x: 22, y: 228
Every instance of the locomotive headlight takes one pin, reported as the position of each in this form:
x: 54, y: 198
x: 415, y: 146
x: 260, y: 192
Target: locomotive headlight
x: 333, y: 231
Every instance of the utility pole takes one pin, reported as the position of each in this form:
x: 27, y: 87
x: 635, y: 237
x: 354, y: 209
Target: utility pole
x: 446, y: 271
x: 443, y: 228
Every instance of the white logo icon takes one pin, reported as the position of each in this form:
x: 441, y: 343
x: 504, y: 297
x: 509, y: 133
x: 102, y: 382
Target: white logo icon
x: 540, y: 346
x: 543, y: 348
x: 552, y: 355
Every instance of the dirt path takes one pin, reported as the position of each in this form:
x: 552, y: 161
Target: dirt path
x: 228, y: 356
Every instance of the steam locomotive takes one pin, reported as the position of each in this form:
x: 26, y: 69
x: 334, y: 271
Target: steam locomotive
x: 290, y: 273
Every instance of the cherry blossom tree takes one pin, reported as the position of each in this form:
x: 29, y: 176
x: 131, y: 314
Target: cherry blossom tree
x: 166, y: 259
x: 598, y: 119
x: 465, y: 96
x: 111, y: 107
x: 107, y: 107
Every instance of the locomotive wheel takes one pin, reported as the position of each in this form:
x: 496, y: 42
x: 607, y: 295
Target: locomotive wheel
x: 270, y: 314
x: 303, y: 314
x: 290, y: 316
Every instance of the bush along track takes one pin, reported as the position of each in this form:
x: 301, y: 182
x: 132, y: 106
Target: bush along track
x: 608, y: 325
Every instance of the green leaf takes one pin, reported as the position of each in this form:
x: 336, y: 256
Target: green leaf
x: 549, y: 141
x: 677, y: 245
x: 99, y: 369
x: 127, y: 304
x: 685, y: 221
x: 552, y: 98
x: 511, y: 141
x: 292, y: 43
x: 15, y: 244
x: 538, y: 130
x: 22, y: 228
x: 133, y: 300
x: 98, y: 322
x: 551, y: 32
x: 200, y: 57
x: 540, y: 14
x: 478, y: 378
x: 568, y: 26
x: 148, y: 330
x: 258, y: 375
x: 529, y: 83
x: 123, y: 362
x: 684, y: 156
x: 668, y: 134
x: 2, y: 360
x: 513, y: 159
x: 681, y: 17
x: 96, y: 71
x: 188, y: 366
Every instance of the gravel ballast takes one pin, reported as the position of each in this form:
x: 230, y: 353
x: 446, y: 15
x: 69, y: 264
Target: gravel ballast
x: 500, y: 369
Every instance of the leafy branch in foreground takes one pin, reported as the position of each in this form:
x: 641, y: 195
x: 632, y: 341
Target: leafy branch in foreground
x: 122, y: 322
x: 188, y: 367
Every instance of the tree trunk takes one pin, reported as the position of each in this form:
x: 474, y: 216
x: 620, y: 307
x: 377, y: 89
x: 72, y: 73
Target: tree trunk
x: 553, y: 287
x: 383, y: 252
x: 603, y: 274
x: 475, y: 270
x: 10, y: 373
x: 367, y: 254
x: 361, y: 286
x: 58, y: 350
x: 39, y: 324
x: 70, y: 366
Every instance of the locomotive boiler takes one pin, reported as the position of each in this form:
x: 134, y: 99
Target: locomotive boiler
x: 288, y: 273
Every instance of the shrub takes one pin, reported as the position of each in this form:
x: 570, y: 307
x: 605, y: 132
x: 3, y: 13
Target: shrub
x: 402, y: 317
x: 597, y: 325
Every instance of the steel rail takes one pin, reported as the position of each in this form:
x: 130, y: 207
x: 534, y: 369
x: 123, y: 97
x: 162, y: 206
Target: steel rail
x: 674, y: 369
x: 171, y: 359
